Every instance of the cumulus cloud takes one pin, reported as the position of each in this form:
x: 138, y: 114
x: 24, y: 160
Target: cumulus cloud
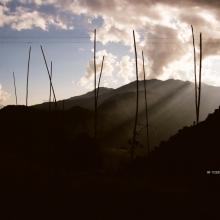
x: 117, y: 71
x: 3, y: 95
x: 162, y: 28
x: 87, y: 80
x: 126, y: 69
x: 24, y: 18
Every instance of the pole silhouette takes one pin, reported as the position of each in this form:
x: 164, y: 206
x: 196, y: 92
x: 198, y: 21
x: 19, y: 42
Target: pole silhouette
x: 146, y: 105
x: 196, y: 87
x: 100, y: 76
x: 95, y: 92
x: 137, y: 102
x: 16, y: 98
x: 96, y: 87
x: 51, y: 75
x: 28, y: 71
x: 51, y: 84
x: 200, y: 77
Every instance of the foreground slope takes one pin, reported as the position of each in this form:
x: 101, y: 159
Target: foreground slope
x: 171, y: 106
x: 49, y: 159
x: 193, y: 151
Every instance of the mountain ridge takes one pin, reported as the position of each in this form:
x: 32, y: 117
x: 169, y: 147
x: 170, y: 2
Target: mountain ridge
x: 170, y: 102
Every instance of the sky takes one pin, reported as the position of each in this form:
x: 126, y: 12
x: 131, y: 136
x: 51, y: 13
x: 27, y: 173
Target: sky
x: 65, y: 29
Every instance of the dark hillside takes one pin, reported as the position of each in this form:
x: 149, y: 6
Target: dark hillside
x: 192, y: 151
x: 49, y: 153
x: 171, y: 107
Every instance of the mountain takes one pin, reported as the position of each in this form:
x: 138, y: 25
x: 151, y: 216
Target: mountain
x: 84, y: 101
x: 171, y: 106
x: 54, y: 152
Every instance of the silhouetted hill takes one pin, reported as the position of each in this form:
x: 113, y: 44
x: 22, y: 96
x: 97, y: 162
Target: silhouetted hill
x: 28, y: 131
x: 36, y: 145
x: 193, y: 151
x: 84, y: 101
x: 171, y: 106
x: 46, y: 152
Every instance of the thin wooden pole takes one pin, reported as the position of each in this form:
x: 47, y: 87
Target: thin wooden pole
x: 200, y: 77
x: 16, y: 98
x: 95, y: 93
x: 146, y: 106
x: 51, y: 75
x: 28, y: 71
x: 196, y: 87
x: 100, y: 76
x: 45, y: 61
x: 137, y: 102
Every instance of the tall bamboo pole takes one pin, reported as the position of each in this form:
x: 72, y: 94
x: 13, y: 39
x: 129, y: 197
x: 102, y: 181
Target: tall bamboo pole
x: 146, y: 106
x: 28, y: 71
x: 95, y: 92
x: 137, y: 102
x: 100, y: 76
x: 16, y: 98
x: 200, y: 76
x: 51, y: 75
x: 196, y: 88
x: 45, y: 61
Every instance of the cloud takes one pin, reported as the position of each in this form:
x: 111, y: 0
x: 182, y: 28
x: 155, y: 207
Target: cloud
x: 162, y: 47
x: 126, y: 70
x: 87, y: 80
x: 3, y: 95
x: 162, y: 27
x: 24, y: 18
x: 117, y: 71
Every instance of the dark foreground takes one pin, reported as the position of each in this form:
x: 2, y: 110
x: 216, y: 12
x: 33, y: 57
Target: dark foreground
x: 51, y: 170
x: 112, y: 197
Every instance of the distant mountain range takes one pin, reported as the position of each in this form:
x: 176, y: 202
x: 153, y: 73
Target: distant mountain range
x: 171, y: 107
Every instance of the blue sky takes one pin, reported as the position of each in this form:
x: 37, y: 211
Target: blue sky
x: 65, y: 29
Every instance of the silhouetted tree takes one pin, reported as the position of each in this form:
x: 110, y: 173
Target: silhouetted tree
x: 16, y: 98
x: 137, y: 103
x: 146, y: 105
x: 28, y: 70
